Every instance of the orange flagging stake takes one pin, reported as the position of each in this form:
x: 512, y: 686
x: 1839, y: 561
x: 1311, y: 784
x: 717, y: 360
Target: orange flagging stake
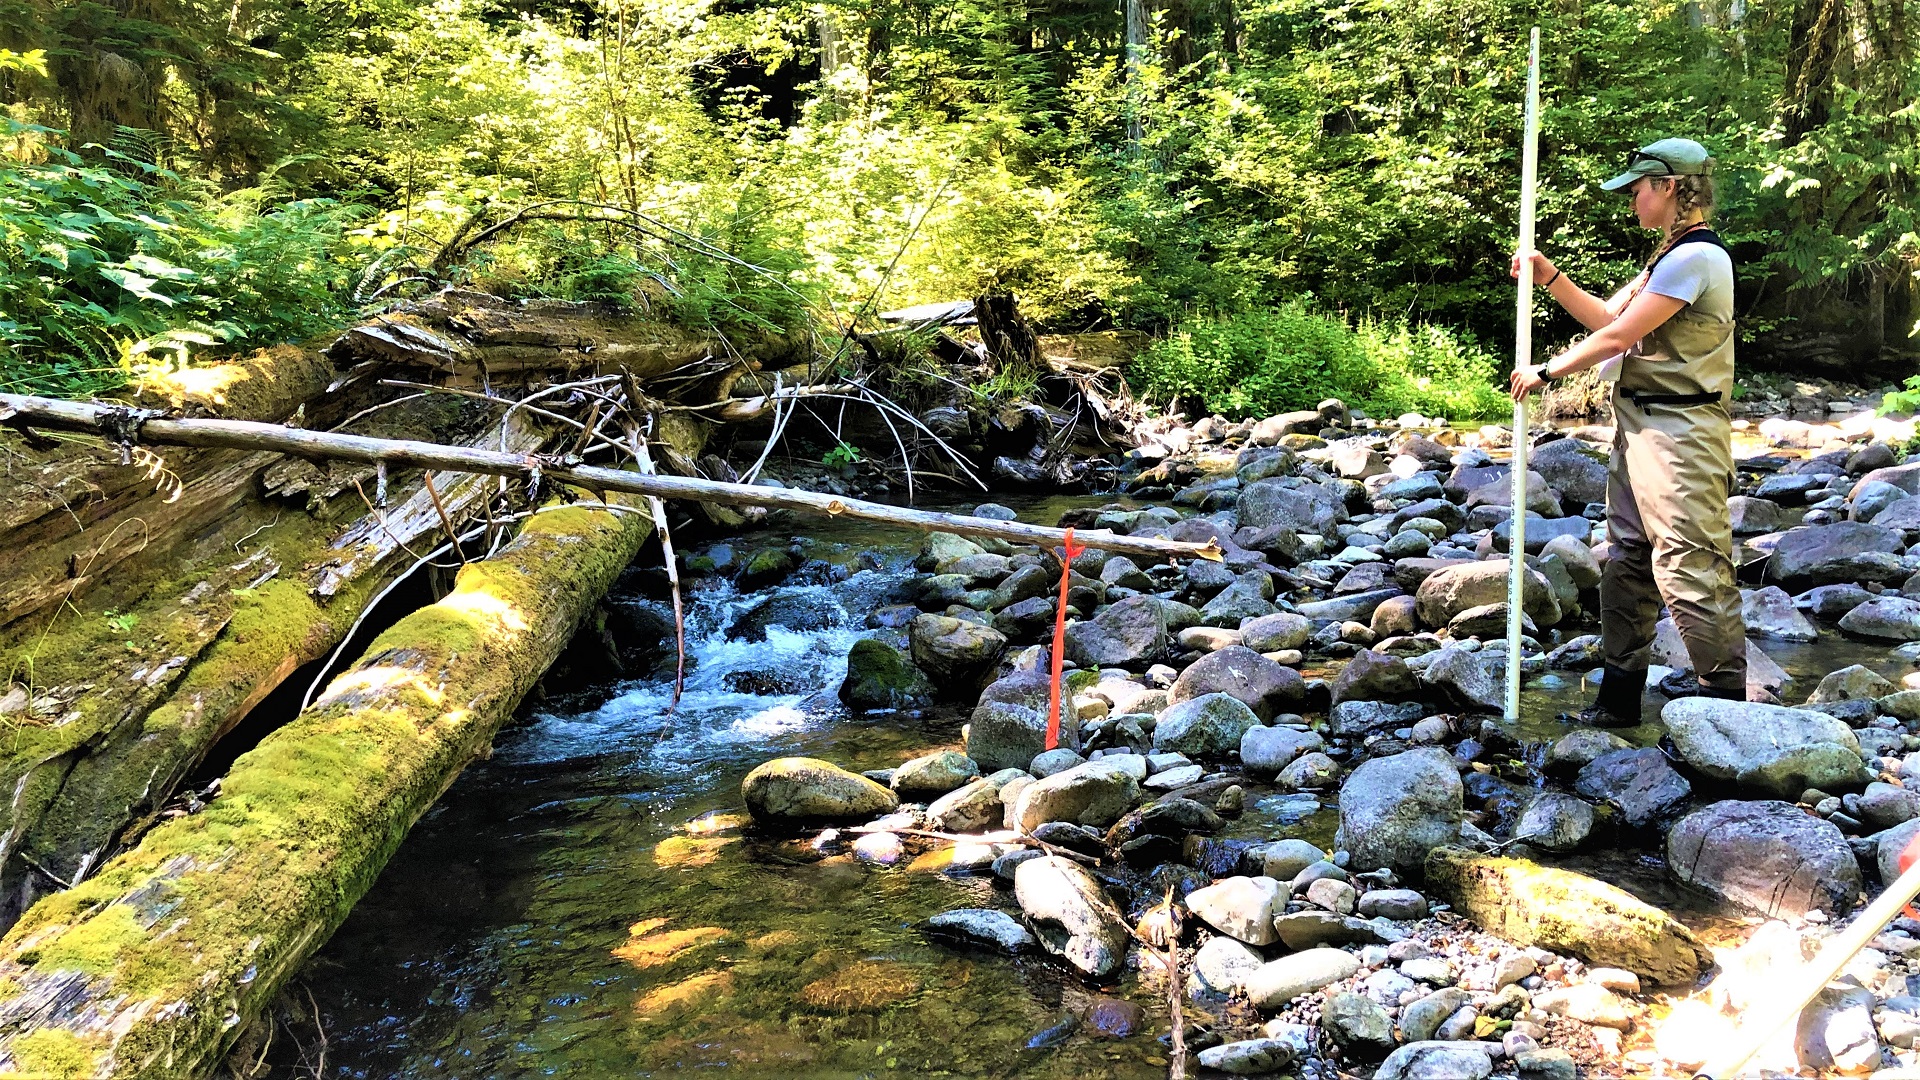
x: 1071, y: 550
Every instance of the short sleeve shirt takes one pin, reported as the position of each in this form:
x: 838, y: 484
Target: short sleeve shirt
x: 1696, y: 274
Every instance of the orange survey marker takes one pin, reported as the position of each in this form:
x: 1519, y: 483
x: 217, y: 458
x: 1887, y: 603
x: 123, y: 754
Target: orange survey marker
x: 1071, y: 550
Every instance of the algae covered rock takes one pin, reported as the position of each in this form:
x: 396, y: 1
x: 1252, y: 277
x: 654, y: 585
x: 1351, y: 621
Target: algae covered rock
x: 880, y: 676
x: 1777, y: 750
x: 1530, y: 904
x: 802, y: 789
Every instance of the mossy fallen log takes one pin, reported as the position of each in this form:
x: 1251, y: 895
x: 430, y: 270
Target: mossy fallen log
x: 149, y: 968
x: 118, y: 691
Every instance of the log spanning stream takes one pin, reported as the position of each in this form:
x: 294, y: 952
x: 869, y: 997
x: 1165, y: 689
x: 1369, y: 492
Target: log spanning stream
x: 585, y: 904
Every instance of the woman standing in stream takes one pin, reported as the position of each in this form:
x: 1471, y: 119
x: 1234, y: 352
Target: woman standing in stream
x: 1667, y: 342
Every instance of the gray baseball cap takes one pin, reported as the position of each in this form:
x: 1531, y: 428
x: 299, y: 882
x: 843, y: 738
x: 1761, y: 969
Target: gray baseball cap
x: 1668, y: 157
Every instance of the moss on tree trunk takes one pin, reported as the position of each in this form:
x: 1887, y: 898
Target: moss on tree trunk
x: 148, y: 969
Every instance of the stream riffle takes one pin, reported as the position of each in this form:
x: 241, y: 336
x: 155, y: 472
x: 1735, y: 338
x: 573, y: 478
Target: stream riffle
x: 499, y: 942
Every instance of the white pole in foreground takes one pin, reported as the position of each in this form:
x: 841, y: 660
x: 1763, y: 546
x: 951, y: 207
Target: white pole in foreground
x: 1522, y: 355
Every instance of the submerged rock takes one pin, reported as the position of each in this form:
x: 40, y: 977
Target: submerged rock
x: 1070, y: 915
x: 1530, y: 904
x: 982, y: 928
x: 794, y: 790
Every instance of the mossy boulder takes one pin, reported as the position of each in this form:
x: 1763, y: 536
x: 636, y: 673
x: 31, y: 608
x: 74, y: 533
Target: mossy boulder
x: 768, y: 567
x: 880, y: 676
x: 1530, y: 904
x: 802, y: 789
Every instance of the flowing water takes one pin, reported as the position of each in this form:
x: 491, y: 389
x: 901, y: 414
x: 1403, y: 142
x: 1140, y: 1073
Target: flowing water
x: 586, y: 904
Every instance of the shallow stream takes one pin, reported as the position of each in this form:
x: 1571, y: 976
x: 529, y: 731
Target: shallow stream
x: 583, y: 904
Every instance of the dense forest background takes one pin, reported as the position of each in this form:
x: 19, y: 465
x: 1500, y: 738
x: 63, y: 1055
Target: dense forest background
x: 1292, y: 196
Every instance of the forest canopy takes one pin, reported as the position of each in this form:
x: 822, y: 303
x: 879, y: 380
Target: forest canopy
x: 184, y: 176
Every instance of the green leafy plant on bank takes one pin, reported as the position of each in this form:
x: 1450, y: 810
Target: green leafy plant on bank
x: 1257, y: 363
x: 114, y: 263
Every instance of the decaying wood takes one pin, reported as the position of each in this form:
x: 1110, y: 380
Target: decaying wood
x: 151, y: 968
x: 72, y: 415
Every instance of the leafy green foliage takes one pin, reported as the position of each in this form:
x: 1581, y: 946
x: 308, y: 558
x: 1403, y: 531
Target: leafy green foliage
x: 104, y: 267
x: 841, y: 456
x: 1260, y: 363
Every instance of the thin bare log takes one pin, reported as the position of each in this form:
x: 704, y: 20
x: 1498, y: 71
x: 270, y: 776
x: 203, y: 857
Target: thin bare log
x: 121, y: 425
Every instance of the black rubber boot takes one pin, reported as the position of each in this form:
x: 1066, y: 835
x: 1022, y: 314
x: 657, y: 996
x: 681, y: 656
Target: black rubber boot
x: 1723, y: 694
x: 1619, y: 702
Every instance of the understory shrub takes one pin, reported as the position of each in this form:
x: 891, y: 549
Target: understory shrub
x: 1257, y: 363
x: 113, y: 263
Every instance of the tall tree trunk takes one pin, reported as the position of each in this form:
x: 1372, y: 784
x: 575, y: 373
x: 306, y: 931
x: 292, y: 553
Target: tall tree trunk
x: 1137, y: 30
x: 1812, y: 45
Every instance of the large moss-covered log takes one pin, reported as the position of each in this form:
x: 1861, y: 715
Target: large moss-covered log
x: 1557, y: 909
x: 148, y: 968
x: 144, y: 612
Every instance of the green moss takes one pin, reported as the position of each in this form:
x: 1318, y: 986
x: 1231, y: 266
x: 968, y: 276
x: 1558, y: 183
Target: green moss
x: 51, y: 1052
x: 248, y: 888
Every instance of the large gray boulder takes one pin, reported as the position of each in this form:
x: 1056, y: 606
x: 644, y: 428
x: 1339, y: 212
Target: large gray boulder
x: 1438, y: 1060
x: 933, y: 775
x: 1845, y: 551
x: 1575, y: 469
x: 1266, y: 750
x: 1751, y: 516
x: 1098, y: 793
x: 1241, y: 907
x: 1070, y: 915
x: 1265, y: 686
x: 1460, y: 679
x: 1374, y: 676
x: 1009, y: 725
x: 1770, y: 613
x: 1453, y: 589
x: 1272, y: 633
x: 1767, y: 748
x: 946, y: 647
x: 794, y: 790
x: 1768, y: 857
x: 1129, y: 632
x: 1394, y: 810
x: 1210, y: 726
x: 1278, y: 982
x: 1887, y: 618
x: 1638, y: 782
x: 1291, y: 503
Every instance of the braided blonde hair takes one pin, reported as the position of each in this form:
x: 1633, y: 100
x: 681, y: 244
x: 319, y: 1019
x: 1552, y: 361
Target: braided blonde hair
x: 1690, y: 192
